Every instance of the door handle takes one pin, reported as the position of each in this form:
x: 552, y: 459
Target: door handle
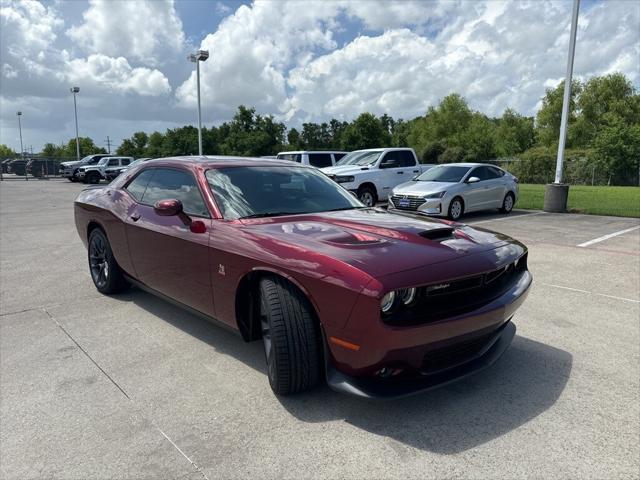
x: 135, y: 217
x: 399, y: 173
x: 416, y: 171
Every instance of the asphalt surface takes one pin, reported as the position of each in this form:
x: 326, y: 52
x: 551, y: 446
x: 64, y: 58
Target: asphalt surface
x: 132, y: 387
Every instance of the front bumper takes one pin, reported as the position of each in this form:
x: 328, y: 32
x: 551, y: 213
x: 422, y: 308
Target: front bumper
x: 81, y: 174
x: 431, y: 206
x: 389, y: 388
x: 427, y: 355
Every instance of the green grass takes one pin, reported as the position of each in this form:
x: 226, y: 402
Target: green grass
x: 616, y: 201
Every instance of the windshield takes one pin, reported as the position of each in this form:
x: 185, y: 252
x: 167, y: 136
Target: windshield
x: 360, y: 158
x: 444, y: 173
x: 246, y: 192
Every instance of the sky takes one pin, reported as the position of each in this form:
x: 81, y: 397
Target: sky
x: 294, y: 59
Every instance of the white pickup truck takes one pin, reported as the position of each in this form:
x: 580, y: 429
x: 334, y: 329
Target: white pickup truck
x: 371, y: 174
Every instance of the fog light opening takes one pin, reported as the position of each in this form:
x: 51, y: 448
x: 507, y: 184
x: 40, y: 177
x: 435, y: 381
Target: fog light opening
x: 388, y: 372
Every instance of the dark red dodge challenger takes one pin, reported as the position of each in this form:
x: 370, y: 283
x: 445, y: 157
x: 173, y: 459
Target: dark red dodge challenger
x: 380, y: 304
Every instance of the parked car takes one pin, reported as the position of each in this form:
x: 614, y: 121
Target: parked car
x: 121, y: 170
x: 372, y: 174
x: 107, y: 168
x: 318, y: 159
x: 5, y: 164
x: 18, y: 166
x: 279, y: 252
x: 40, y: 167
x: 457, y: 188
x: 70, y: 169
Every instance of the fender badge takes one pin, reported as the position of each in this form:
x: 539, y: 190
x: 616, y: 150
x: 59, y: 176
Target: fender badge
x: 221, y: 269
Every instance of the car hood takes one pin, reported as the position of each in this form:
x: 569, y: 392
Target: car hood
x: 421, y: 188
x: 374, y: 240
x: 70, y: 164
x: 346, y: 169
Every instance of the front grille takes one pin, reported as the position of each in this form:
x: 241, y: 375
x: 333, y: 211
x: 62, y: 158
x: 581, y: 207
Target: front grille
x: 456, y: 354
x: 448, y: 299
x: 414, y: 202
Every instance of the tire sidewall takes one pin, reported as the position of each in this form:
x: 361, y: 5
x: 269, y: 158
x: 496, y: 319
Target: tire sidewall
x: 504, y: 203
x: 364, y: 191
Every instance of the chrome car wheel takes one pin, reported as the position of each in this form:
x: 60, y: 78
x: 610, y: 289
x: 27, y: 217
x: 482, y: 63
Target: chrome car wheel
x: 366, y: 197
x: 455, y: 209
x: 507, y: 204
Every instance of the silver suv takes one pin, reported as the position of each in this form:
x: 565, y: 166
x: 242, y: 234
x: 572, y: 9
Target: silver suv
x: 106, y: 169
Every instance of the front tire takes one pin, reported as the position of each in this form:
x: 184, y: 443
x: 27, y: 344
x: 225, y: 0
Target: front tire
x: 290, y: 337
x: 456, y: 208
x: 507, y: 203
x: 105, y: 272
x: 92, y: 178
x: 367, y: 195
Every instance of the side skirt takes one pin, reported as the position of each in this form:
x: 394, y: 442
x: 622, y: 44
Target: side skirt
x: 178, y: 304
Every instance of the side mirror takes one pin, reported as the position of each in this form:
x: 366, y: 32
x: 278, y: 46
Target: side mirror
x: 391, y: 163
x: 473, y: 180
x: 168, y: 208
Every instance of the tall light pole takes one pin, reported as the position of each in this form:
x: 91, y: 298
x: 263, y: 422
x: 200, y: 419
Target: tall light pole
x: 556, y: 194
x: 199, y: 56
x: 75, y: 90
x: 19, y: 114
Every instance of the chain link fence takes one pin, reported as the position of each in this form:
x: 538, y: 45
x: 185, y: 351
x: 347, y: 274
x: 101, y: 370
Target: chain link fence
x: 32, y: 166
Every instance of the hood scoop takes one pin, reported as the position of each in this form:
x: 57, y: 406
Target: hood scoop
x: 441, y: 233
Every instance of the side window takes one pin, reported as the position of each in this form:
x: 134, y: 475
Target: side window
x: 125, y: 161
x: 320, y: 160
x: 95, y: 160
x: 406, y: 158
x: 138, y: 185
x: 495, y: 172
x: 338, y: 156
x: 113, y: 162
x: 478, y: 172
x: 168, y: 183
x: 390, y: 157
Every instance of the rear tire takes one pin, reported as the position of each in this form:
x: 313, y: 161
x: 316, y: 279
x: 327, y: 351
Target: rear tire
x: 456, y: 208
x: 106, y: 274
x: 290, y: 337
x: 507, y: 203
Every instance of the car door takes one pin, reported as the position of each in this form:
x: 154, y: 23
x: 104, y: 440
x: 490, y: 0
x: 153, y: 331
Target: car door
x: 475, y: 194
x: 112, y: 165
x: 166, y: 254
x: 496, y: 187
x: 390, y: 176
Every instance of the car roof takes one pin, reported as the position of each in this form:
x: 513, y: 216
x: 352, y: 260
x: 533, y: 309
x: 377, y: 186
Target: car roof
x: 467, y: 164
x: 223, y: 161
x: 311, y: 151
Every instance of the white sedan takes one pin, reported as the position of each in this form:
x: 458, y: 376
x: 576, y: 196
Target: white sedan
x: 457, y: 188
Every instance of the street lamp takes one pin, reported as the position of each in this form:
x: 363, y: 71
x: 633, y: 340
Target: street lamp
x: 19, y: 114
x: 75, y: 90
x: 199, y: 56
x: 557, y: 193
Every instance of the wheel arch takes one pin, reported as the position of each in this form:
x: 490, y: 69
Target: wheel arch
x: 246, y: 317
x: 370, y: 185
x: 92, y: 225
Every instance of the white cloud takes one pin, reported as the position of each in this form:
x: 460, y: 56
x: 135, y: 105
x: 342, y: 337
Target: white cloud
x: 117, y: 75
x: 145, y: 30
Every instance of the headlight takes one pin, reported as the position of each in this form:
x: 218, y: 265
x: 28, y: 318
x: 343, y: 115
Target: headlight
x: 435, y: 195
x: 386, y: 304
x: 344, y: 178
x: 407, y: 295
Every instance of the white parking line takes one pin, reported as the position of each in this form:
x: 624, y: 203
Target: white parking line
x: 607, y: 237
x: 592, y: 293
x: 510, y: 217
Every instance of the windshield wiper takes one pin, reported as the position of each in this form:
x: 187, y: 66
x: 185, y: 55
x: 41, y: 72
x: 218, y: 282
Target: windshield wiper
x: 343, y: 208
x: 270, y: 214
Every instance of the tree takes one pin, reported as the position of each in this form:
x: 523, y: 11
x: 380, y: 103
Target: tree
x: 6, y: 152
x: 87, y: 147
x: 617, y: 147
x: 293, y: 138
x: 366, y: 131
x: 549, y: 116
x: 514, y: 134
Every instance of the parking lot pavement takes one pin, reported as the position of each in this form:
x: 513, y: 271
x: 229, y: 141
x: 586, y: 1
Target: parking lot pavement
x: 132, y: 387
